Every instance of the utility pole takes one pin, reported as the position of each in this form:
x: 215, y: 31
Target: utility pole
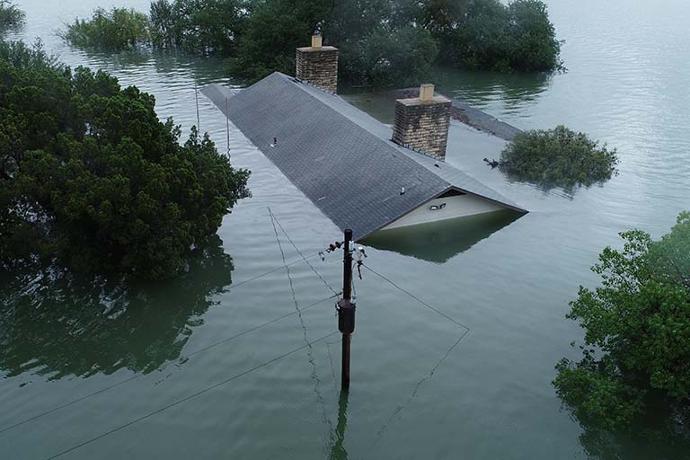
x: 346, y: 312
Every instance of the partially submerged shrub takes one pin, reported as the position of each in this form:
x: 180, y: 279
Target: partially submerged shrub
x: 558, y: 157
x: 117, y: 29
x: 91, y: 179
x: 637, y: 330
x: 11, y: 17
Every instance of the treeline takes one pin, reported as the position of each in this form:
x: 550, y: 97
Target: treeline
x: 382, y: 42
x: 92, y: 180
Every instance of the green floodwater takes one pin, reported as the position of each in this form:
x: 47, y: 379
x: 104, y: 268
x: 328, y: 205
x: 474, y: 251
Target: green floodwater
x: 218, y: 364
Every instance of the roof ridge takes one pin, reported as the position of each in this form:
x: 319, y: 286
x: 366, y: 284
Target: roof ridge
x: 340, y: 157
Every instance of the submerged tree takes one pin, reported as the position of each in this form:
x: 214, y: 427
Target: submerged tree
x: 492, y: 35
x: 201, y: 26
x: 117, y: 29
x: 558, y: 157
x: 91, y: 178
x: 11, y: 17
x: 382, y: 42
x: 636, y: 355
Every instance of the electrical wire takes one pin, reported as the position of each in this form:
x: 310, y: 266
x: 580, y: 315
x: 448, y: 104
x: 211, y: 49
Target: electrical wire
x: 189, y: 397
x: 165, y: 366
x: 300, y: 252
x: 273, y: 270
x: 434, y: 309
x: 310, y: 354
x: 466, y: 330
x: 72, y: 402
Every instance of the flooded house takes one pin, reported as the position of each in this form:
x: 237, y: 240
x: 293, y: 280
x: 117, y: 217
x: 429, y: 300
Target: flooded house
x: 359, y: 172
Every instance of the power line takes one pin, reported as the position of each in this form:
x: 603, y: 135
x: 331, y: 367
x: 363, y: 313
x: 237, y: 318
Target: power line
x: 310, y: 355
x: 434, y: 368
x: 188, y: 397
x: 300, y: 252
x: 273, y: 270
x: 140, y: 375
x: 434, y: 309
x: 380, y: 432
x: 302, y: 258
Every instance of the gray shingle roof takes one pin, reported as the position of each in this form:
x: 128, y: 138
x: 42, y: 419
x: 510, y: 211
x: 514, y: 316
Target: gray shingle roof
x: 337, y: 155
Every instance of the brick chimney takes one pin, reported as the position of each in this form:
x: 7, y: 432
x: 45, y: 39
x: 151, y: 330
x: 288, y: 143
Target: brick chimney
x: 318, y: 65
x: 421, y: 123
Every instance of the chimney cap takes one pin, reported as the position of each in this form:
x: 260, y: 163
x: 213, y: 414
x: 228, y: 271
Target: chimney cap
x: 426, y: 92
x: 316, y: 40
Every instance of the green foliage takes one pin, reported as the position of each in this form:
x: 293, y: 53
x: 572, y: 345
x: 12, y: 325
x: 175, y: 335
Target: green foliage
x: 385, y: 58
x: 117, y: 29
x: 558, y: 157
x: 11, y: 17
x: 90, y: 177
x: 272, y: 32
x: 488, y: 35
x: 637, y: 332
x: 381, y: 42
x: 201, y: 26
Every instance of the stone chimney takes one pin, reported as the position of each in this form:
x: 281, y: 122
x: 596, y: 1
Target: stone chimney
x: 421, y: 123
x: 318, y: 65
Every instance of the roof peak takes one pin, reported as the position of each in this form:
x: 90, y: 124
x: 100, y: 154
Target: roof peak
x: 338, y: 156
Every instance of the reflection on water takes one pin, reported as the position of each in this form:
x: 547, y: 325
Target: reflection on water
x: 338, y: 451
x: 58, y: 324
x: 658, y: 435
x: 514, y: 90
x: 199, y: 69
x: 439, y: 241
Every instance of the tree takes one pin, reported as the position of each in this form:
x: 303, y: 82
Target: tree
x: 272, y: 32
x: 488, y: 35
x: 378, y: 45
x: 114, y: 30
x: 201, y: 26
x: 558, y: 157
x: 386, y: 57
x: 92, y: 179
x: 636, y: 353
x: 11, y: 17
x: 532, y: 44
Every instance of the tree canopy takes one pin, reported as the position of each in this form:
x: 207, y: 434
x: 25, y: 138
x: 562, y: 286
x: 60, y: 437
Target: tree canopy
x: 382, y: 42
x: 635, y: 356
x: 200, y: 26
x: 558, y: 157
x: 116, y: 29
x: 91, y: 178
x: 11, y: 17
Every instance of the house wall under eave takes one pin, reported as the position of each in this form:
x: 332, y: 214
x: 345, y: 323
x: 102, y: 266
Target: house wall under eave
x: 455, y: 206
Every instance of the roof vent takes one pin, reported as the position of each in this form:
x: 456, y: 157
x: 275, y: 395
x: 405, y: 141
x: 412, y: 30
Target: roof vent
x: 421, y: 123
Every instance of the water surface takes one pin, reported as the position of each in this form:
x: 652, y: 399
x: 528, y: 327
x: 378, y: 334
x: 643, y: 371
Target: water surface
x: 81, y: 360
